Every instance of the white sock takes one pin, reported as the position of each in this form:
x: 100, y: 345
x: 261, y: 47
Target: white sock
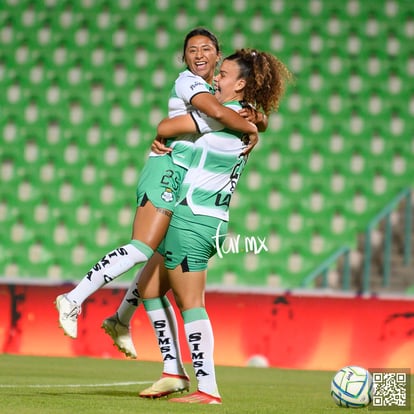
x: 130, y: 302
x: 200, y: 341
x: 109, y: 268
x: 163, y: 320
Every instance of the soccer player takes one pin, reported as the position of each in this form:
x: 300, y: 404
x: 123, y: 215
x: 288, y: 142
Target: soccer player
x: 203, y: 207
x: 160, y: 180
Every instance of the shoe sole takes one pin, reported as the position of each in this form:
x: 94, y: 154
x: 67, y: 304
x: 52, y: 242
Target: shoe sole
x: 110, y: 332
x: 196, y: 399
x: 200, y: 402
x: 164, y: 393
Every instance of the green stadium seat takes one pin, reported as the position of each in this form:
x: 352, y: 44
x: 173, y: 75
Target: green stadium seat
x: 316, y: 201
x: 10, y: 265
x: 294, y: 266
x: 322, y: 243
x: 9, y: 35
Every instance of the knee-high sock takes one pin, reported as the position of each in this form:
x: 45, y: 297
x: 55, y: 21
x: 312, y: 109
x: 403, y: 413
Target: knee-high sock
x: 130, y: 302
x: 163, y: 320
x: 200, y: 341
x: 109, y: 268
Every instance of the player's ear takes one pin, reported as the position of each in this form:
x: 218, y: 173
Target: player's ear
x: 240, y: 85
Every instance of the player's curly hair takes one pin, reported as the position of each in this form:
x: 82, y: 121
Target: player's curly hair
x: 266, y: 78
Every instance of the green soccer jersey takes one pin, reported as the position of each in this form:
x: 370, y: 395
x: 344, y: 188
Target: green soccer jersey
x: 186, y: 86
x: 213, y: 174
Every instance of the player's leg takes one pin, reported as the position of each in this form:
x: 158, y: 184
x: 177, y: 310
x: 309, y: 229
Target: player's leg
x: 149, y: 227
x: 111, y: 266
x: 117, y: 326
x: 152, y: 287
x: 157, y: 192
x: 190, y: 246
x: 188, y: 288
x: 158, y: 181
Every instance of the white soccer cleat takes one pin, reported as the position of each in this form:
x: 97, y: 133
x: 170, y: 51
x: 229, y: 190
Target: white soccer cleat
x: 166, y: 385
x: 120, y: 334
x: 68, y: 315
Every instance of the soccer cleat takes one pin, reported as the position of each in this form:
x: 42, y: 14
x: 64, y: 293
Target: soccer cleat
x: 68, y: 315
x: 166, y: 385
x: 198, y: 397
x: 120, y: 334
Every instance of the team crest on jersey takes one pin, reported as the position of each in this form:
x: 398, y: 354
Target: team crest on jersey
x: 167, y: 195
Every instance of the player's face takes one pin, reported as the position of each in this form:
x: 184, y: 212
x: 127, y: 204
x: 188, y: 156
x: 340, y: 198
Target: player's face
x: 229, y: 86
x: 201, y: 57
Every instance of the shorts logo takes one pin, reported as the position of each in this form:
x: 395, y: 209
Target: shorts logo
x: 167, y: 195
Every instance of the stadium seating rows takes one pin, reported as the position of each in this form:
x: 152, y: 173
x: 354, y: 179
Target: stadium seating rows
x: 85, y: 82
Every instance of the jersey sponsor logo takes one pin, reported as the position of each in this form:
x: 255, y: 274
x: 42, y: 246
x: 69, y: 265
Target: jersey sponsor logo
x: 195, y: 84
x: 236, y: 173
x: 106, y: 261
x: 197, y: 355
x: 223, y: 200
x: 164, y: 342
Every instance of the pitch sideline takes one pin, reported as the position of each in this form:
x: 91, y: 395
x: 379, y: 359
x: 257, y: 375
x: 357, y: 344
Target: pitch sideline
x: 109, y: 384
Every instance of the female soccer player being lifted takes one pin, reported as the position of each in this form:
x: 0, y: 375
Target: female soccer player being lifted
x: 161, y: 178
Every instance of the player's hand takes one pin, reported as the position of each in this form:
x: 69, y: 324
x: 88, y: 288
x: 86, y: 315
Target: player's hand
x: 256, y: 117
x: 250, y: 140
x: 158, y: 146
x: 249, y: 113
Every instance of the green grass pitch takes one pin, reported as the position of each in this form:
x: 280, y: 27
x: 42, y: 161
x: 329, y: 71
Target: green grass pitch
x: 44, y: 385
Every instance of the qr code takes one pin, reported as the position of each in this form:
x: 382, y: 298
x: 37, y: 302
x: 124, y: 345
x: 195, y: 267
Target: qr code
x: 391, y: 389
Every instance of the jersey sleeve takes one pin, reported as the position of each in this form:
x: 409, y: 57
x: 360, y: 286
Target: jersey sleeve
x: 204, y: 123
x: 190, y: 85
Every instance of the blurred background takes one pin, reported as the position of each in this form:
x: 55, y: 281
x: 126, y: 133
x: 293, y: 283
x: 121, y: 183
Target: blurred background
x: 326, y: 196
